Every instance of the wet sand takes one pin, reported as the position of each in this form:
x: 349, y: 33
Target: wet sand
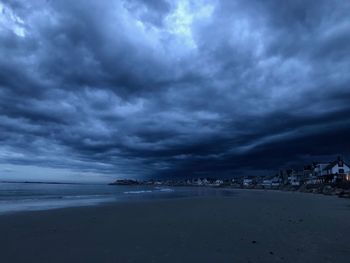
x: 252, y: 226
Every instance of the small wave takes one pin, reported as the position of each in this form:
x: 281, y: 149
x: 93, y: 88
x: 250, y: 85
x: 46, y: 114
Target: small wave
x: 156, y: 190
x: 47, y: 204
x: 52, y: 198
x: 165, y: 189
x: 84, y: 196
x: 138, y: 192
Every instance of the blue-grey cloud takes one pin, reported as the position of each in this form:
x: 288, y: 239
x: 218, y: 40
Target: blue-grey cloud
x: 173, y: 88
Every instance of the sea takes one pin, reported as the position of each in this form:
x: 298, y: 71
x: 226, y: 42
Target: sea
x: 18, y: 197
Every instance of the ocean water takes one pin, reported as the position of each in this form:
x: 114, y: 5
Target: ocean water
x: 17, y: 197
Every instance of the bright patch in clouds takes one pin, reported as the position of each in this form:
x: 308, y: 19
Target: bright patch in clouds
x: 180, y: 22
x: 10, y: 21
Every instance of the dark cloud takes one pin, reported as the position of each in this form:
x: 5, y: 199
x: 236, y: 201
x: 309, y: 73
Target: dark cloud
x: 173, y: 88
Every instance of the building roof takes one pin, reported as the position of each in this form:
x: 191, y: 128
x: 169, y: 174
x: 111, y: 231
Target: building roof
x: 334, y: 163
x: 331, y: 165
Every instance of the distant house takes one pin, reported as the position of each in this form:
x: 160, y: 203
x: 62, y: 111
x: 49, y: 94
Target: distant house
x: 294, y: 180
x: 337, y: 170
x: 247, y: 182
x: 267, y: 183
x: 308, y: 171
x: 218, y: 182
x: 198, y: 182
x: 284, y: 175
x: 205, y: 181
x: 319, y: 169
x: 317, y: 175
x: 275, y: 181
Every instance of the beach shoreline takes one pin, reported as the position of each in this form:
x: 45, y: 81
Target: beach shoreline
x: 252, y: 226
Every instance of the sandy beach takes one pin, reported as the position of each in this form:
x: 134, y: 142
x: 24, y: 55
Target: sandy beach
x: 251, y: 226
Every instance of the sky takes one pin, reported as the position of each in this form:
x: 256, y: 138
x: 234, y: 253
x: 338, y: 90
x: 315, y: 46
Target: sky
x: 101, y: 90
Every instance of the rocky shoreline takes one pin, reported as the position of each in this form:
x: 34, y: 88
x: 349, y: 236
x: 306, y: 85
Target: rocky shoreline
x: 342, y: 191
x: 326, y: 190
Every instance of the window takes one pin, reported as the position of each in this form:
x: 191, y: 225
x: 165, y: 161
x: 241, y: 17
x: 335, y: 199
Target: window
x: 341, y: 171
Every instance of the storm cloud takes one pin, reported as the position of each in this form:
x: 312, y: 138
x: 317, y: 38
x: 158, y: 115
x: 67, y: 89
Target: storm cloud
x: 140, y: 89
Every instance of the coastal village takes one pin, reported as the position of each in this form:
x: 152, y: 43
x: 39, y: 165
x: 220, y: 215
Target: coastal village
x: 330, y: 178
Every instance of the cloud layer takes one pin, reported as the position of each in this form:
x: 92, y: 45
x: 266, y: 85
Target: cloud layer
x: 173, y: 88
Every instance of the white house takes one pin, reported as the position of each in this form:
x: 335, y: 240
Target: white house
x: 205, y: 181
x: 247, y: 182
x: 337, y: 167
x: 276, y: 181
x: 267, y: 183
x: 198, y: 182
x: 218, y: 182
